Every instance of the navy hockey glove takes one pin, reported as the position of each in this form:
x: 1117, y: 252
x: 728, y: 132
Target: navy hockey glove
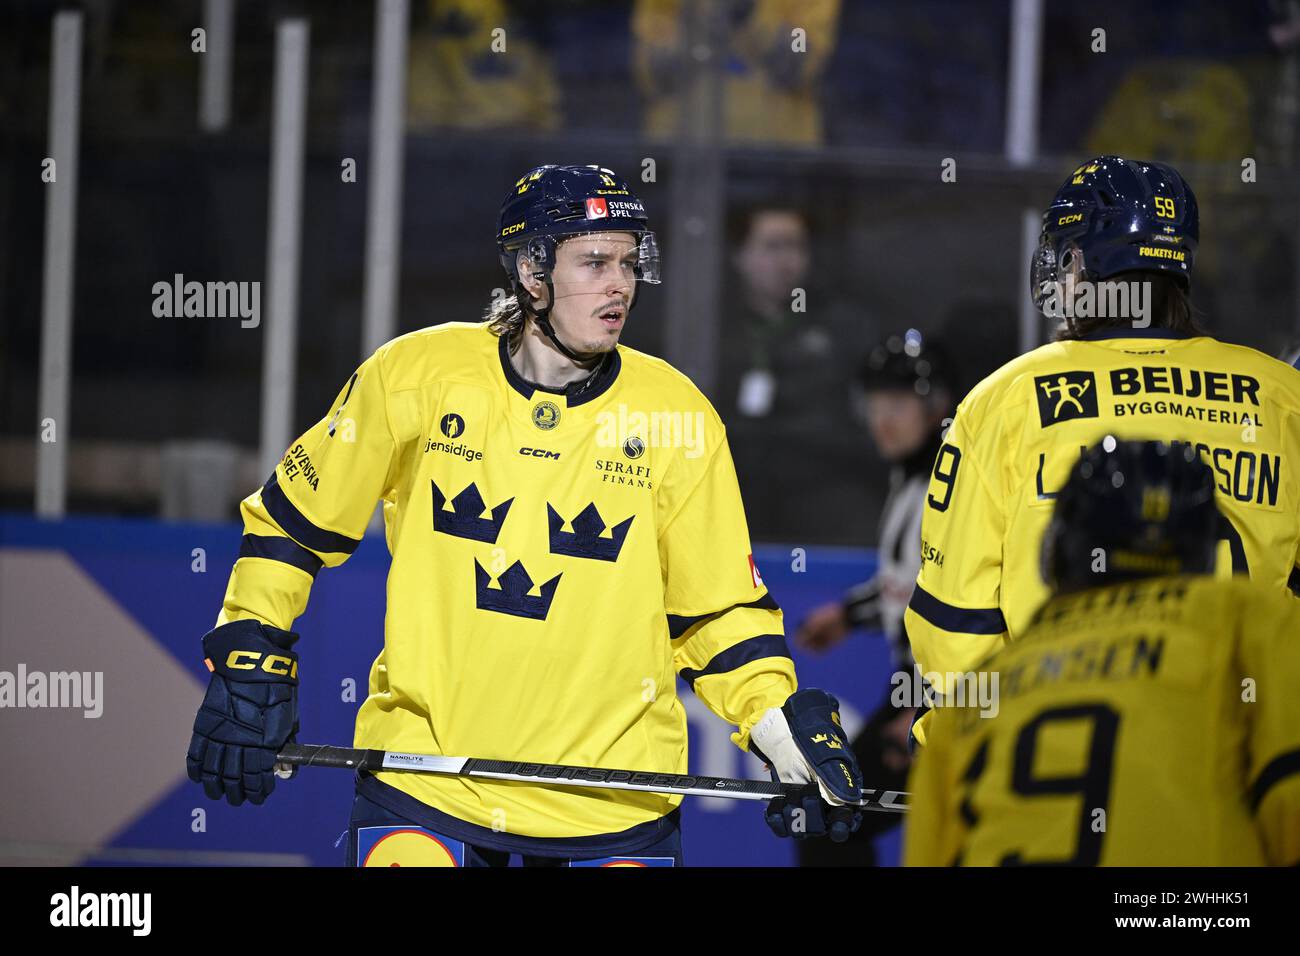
x: 248, y: 713
x: 802, y: 742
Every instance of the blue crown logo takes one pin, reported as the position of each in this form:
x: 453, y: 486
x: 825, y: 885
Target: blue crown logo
x: 465, y: 520
x: 584, y: 541
x: 512, y: 597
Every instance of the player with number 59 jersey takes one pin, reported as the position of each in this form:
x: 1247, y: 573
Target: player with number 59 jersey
x: 1147, y: 717
x: 1114, y: 265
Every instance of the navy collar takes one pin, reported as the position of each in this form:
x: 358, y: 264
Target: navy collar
x: 1149, y: 332
x: 575, y: 393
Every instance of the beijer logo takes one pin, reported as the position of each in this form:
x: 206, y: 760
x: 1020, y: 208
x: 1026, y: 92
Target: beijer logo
x: 1232, y: 387
x: 1065, y: 396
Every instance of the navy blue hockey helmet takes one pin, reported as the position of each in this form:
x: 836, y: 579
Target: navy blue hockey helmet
x: 1119, y: 215
x: 1149, y: 507
x: 551, y: 203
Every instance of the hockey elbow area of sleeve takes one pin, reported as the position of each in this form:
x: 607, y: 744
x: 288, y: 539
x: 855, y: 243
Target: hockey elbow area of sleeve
x: 311, y: 540
x: 1275, y: 802
x: 941, y: 616
x: 948, y: 638
x: 745, y: 680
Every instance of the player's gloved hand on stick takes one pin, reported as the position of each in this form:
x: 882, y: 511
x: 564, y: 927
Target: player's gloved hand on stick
x: 249, y: 712
x: 802, y: 742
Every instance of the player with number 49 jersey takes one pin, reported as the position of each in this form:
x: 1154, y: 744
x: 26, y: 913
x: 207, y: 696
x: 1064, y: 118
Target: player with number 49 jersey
x: 1147, y: 717
x: 1149, y: 375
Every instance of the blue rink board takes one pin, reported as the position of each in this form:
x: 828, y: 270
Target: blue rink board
x: 146, y: 567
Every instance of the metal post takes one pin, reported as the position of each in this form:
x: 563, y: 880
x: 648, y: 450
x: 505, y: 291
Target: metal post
x: 698, y: 201
x: 1031, y: 320
x: 384, y: 177
x: 1023, y: 81
x: 1023, y: 77
x: 60, y: 262
x: 214, y: 68
x: 288, y: 127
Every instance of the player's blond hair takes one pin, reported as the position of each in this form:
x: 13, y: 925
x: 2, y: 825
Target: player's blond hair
x: 505, y: 316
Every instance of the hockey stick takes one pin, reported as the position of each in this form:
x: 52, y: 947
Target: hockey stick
x: 346, y: 758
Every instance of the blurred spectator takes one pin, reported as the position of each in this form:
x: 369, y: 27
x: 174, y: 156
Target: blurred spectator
x: 458, y: 79
x: 783, y: 391
x: 1180, y: 110
x: 771, y: 84
x: 1171, y: 84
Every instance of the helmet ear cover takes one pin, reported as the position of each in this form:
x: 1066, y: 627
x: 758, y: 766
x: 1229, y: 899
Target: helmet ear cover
x: 540, y: 251
x: 1056, y: 243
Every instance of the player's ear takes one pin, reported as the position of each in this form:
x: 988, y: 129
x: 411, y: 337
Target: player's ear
x: 536, y: 288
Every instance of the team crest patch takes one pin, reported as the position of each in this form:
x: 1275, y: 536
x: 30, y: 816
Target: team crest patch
x: 546, y: 415
x: 1065, y: 396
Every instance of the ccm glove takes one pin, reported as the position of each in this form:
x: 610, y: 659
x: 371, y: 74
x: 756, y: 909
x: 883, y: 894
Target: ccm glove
x: 249, y: 712
x: 802, y: 743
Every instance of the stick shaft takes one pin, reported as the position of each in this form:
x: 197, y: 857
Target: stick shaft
x: 347, y: 758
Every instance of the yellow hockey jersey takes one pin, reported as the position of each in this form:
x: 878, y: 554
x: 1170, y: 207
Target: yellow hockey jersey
x: 558, y: 558
x: 1151, y: 723
x: 1018, y: 433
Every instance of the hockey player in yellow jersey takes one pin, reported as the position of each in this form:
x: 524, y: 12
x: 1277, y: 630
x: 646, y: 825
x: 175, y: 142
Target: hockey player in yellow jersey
x: 1114, y: 264
x: 567, y: 538
x: 1147, y: 716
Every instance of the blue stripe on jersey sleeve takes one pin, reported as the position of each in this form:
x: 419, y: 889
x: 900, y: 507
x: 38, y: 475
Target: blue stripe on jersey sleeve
x: 738, y: 655
x: 284, y: 550
x: 298, y: 527
x: 1278, y: 769
x: 956, y: 619
x: 679, y: 624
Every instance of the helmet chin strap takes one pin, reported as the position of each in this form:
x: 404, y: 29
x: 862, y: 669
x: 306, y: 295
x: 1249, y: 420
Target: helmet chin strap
x: 541, y: 315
